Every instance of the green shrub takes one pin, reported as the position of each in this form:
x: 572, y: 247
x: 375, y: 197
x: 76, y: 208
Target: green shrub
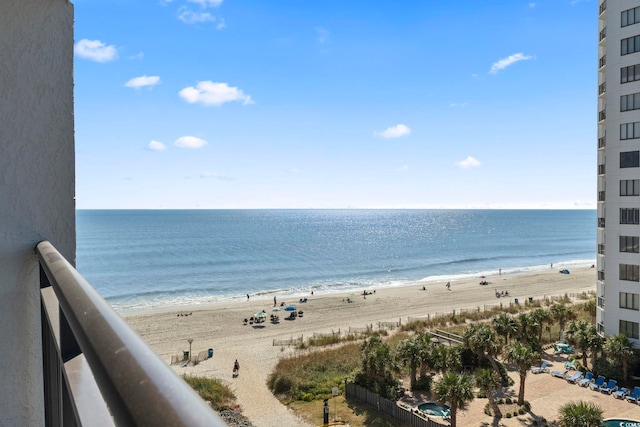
x: 211, y: 390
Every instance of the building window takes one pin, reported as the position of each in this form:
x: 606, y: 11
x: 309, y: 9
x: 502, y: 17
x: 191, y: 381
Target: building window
x: 630, y: 130
x: 630, y: 329
x: 630, y: 73
x: 630, y: 102
x: 630, y: 45
x: 630, y: 272
x: 630, y: 301
x: 600, y: 275
x: 601, y: 222
x: 601, y: 249
x: 629, y: 187
x: 630, y: 244
x: 630, y: 17
x: 630, y: 159
x: 629, y: 216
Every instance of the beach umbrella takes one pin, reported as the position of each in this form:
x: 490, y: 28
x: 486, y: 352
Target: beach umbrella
x: 290, y: 308
x: 261, y: 314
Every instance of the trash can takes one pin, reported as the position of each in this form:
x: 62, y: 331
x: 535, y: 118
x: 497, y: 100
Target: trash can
x: 515, y: 299
x: 210, y: 353
x: 185, y: 354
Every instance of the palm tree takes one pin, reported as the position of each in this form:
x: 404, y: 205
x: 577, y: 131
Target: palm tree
x: 580, y: 414
x: 562, y: 314
x: 528, y: 328
x: 590, y: 307
x: 541, y: 317
x: 505, y: 326
x: 489, y: 381
x: 426, y: 353
x: 522, y: 356
x: 377, y: 364
x: 483, y: 341
x: 446, y: 358
x: 457, y: 389
x: 617, y: 348
x: 582, y: 335
x: 409, y: 352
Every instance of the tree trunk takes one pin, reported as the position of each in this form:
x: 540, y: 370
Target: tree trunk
x: 494, y: 406
x: 523, y: 375
x: 454, y: 410
x: 412, y: 374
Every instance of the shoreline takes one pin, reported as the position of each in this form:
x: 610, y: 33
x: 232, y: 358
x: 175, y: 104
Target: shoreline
x: 221, y: 328
x: 324, y: 290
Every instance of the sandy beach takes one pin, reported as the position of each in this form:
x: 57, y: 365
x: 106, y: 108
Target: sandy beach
x: 221, y: 328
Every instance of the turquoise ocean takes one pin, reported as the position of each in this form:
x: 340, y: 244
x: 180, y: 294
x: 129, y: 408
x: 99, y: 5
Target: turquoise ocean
x: 141, y: 259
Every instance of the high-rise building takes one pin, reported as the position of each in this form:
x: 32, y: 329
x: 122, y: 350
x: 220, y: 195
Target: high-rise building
x: 618, y: 251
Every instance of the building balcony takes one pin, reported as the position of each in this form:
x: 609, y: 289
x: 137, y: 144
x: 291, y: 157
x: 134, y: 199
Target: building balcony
x: 602, y: 88
x: 602, y: 61
x: 602, y: 115
x: 602, y: 142
x: 127, y: 383
x: 602, y: 9
x: 602, y: 37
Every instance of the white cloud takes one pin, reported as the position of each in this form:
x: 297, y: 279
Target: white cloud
x: 394, y: 131
x: 322, y: 35
x: 210, y: 93
x: 191, y: 17
x: 189, y: 142
x: 207, y: 3
x: 468, y: 163
x: 156, y: 146
x: 509, y: 60
x: 217, y: 176
x: 95, y: 50
x: 142, y: 81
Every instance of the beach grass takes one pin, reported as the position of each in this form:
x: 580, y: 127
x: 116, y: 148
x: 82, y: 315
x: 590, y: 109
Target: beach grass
x: 211, y: 390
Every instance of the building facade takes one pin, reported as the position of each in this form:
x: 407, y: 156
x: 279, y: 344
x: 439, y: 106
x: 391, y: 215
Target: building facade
x: 618, y: 251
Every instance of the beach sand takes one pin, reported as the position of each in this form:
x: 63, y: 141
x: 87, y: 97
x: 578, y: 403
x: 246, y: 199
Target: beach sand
x: 221, y: 327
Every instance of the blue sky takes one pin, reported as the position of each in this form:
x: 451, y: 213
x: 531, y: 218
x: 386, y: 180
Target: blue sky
x: 335, y: 104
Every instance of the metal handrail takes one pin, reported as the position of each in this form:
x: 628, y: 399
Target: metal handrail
x: 137, y: 386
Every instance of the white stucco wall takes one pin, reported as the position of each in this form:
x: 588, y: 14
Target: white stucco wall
x: 36, y: 185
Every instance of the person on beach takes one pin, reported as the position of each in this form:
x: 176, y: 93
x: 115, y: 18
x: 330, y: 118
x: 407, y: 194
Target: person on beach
x: 247, y: 297
x: 236, y: 368
x: 274, y: 301
x: 449, y: 285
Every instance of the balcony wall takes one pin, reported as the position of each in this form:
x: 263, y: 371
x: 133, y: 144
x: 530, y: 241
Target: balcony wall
x: 36, y: 185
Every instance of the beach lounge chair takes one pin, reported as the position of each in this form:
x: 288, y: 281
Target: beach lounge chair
x: 610, y: 387
x: 544, y: 367
x: 570, y: 365
x: 559, y: 374
x: 588, y: 377
x: 597, y: 383
x: 634, y: 396
x: 621, y: 393
x: 571, y: 379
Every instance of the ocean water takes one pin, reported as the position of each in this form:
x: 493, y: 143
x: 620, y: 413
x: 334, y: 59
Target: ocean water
x: 139, y: 259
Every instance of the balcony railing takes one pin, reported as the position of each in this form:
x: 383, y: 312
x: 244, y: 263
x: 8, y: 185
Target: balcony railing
x: 602, y: 61
x: 603, y: 33
x: 601, y: 169
x: 134, y: 386
x: 602, y: 142
x: 602, y: 115
x: 602, y: 88
x: 602, y: 8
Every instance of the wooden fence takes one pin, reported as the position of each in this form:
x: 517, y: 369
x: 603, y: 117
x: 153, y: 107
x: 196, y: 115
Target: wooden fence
x: 390, y: 408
